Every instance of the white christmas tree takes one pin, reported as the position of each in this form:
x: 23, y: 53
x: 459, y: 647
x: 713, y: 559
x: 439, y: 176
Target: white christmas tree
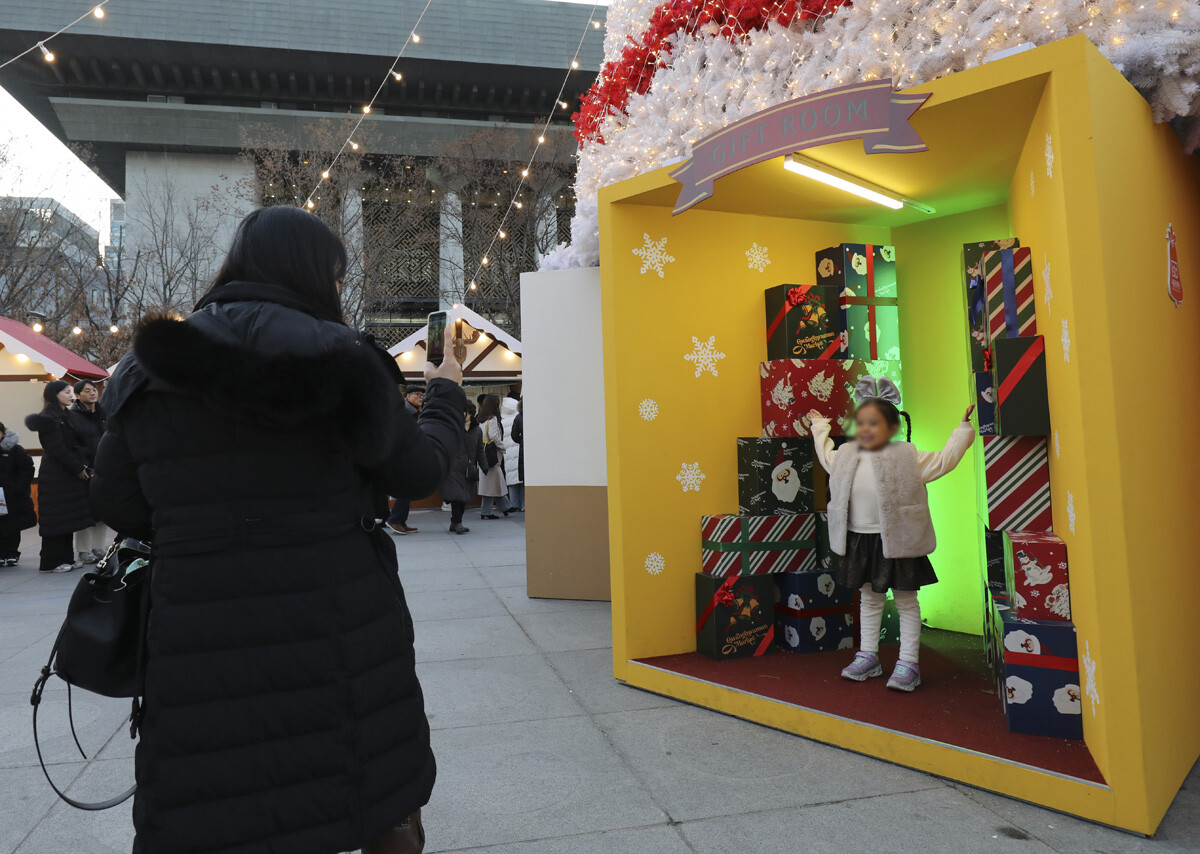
x: 706, y: 80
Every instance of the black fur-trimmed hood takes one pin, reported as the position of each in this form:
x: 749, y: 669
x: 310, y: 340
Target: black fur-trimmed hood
x: 269, y: 362
x: 39, y: 422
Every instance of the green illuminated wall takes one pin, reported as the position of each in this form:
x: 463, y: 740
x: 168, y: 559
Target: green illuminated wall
x: 937, y: 388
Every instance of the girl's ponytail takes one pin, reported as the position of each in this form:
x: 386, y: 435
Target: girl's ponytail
x: 907, y: 426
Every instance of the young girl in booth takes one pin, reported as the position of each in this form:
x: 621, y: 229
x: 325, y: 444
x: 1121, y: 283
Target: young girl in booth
x: 879, y: 522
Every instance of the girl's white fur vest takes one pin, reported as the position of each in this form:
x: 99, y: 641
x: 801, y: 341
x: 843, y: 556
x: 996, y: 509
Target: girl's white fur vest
x: 906, y: 526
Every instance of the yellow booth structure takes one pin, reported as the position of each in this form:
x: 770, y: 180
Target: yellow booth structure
x: 1052, y: 146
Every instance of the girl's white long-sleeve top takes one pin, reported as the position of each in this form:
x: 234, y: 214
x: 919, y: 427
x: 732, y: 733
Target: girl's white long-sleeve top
x: 864, y: 497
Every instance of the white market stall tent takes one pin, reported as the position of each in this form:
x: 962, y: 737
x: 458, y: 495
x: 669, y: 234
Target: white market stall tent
x: 493, y: 356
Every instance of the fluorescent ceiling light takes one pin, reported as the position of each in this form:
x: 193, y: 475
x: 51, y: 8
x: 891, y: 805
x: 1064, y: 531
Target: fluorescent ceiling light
x: 849, y: 183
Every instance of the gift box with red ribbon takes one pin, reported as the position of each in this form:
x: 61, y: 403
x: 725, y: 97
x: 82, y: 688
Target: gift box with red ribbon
x: 758, y: 545
x: 977, y: 315
x: 864, y: 276
x: 1008, y: 276
x: 1022, y: 400
x: 791, y: 387
x: 1037, y: 674
x: 804, y: 322
x: 735, y: 615
x: 813, y: 614
x: 1035, y: 575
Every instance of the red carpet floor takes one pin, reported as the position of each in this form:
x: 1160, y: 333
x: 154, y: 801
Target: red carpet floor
x: 956, y: 703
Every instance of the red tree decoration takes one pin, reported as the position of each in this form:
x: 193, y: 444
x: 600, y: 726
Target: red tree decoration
x: 631, y: 75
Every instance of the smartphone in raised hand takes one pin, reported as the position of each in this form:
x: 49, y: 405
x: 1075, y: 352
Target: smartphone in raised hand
x: 435, y: 338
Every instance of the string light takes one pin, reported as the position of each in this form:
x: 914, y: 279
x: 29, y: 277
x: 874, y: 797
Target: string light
x: 515, y: 202
x: 37, y: 327
x: 114, y: 329
x: 47, y: 54
x: 77, y: 331
x: 413, y: 38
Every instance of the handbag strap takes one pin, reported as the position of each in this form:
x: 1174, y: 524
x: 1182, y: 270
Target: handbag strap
x: 36, y: 700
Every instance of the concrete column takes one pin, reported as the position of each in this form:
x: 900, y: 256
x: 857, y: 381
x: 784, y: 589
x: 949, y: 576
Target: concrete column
x: 450, y: 256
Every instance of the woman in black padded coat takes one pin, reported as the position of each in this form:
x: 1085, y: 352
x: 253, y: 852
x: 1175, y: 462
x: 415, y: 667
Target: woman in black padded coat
x: 282, y: 709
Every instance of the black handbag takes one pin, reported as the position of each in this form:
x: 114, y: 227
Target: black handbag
x: 101, y: 645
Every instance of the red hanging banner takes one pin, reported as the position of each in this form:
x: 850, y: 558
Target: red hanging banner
x: 1174, y: 282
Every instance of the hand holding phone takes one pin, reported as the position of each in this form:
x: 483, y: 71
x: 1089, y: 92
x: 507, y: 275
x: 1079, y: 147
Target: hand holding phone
x: 441, y: 362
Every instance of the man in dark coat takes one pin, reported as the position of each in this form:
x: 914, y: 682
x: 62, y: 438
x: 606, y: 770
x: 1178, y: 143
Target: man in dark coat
x: 397, y: 520
x: 282, y: 710
x: 16, y: 480
x: 87, y: 416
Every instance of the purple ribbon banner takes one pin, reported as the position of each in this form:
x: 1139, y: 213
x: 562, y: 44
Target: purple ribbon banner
x: 870, y: 111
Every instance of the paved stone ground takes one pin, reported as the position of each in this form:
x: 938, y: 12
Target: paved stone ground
x: 540, y: 750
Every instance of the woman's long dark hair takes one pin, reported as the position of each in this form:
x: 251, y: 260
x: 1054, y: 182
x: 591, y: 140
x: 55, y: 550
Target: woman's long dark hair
x: 283, y: 245
x: 489, y: 409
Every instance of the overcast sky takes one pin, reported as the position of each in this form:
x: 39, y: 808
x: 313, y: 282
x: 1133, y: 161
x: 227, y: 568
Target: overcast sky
x: 43, y: 166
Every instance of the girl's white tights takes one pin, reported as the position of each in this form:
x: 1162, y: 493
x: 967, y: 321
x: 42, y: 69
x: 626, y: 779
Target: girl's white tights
x: 870, y: 618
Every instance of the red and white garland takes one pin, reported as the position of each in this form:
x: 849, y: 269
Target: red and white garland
x: 679, y: 70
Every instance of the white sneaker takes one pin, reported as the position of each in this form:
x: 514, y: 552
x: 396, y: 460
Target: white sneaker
x: 86, y: 557
x: 62, y: 567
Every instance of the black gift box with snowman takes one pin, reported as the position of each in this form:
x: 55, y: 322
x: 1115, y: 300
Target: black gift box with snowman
x: 775, y: 476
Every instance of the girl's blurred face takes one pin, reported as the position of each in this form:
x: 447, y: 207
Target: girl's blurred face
x: 871, y: 430
x: 67, y: 396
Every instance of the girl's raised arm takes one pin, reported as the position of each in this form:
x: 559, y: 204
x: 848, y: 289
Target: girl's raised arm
x: 938, y: 463
x: 821, y: 441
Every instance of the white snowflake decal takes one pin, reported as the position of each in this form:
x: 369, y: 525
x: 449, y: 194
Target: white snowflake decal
x: 756, y: 257
x: 1047, y: 294
x: 1057, y: 447
x: 648, y: 409
x: 1032, y: 186
x: 1071, y: 511
x: 654, y: 255
x: 1089, y: 675
x: 1066, y: 341
x: 690, y: 477
x: 655, y: 563
x: 1049, y: 156
x: 705, y: 355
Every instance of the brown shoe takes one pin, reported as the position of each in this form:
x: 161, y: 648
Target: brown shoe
x: 400, y: 529
x: 407, y: 838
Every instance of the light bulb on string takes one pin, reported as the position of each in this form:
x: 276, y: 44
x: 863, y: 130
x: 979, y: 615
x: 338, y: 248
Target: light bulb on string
x: 114, y: 329
x: 311, y: 205
x: 46, y: 53
x: 485, y: 260
x: 416, y: 38
x: 502, y: 234
x: 397, y: 75
x: 37, y: 327
x: 325, y: 175
x: 77, y: 331
x: 366, y: 109
x: 564, y: 105
x: 98, y: 12
x: 574, y: 64
x: 524, y: 173
x: 541, y: 140
x: 472, y: 286
x: 595, y: 25
x: 354, y: 145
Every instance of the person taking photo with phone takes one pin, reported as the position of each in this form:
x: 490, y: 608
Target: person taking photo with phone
x: 281, y: 708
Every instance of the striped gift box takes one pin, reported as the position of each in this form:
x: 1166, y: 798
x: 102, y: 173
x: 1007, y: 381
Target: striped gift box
x: 1017, y: 471
x: 1008, y: 274
x: 758, y: 545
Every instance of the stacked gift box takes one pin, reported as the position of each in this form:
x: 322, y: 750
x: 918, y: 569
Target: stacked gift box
x: 1029, y: 636
x: 767, y: 570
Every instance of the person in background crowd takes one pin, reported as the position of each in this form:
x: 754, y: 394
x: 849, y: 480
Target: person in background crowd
x: 397, y: 520
x: 510, y: 417
x: 16, y: 481
x: 463, y: 480
x: 492, y: 486
x: 62, y: 479
x: 282, y: 710
x: 87, y: 418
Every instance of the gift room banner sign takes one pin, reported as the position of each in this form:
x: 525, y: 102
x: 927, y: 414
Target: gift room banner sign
x: 871, y: 112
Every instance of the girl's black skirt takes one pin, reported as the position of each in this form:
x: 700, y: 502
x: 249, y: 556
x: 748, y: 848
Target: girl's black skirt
x: 864, y: 563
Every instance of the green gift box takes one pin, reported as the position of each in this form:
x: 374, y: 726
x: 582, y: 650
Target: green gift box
x: 872, y: 327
